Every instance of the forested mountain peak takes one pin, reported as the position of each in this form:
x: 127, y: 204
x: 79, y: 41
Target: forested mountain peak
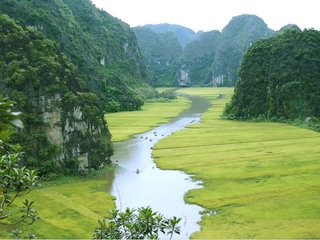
x: 244, y: 21
x: 66, y: 62
x: 235, y: 39
x: 103, y: 48
x: 183, y: 34
x: 289, y: 26
x: 209, y: 58
x: 62, y: 120
x: 280, y: 78
x: 161, y: 52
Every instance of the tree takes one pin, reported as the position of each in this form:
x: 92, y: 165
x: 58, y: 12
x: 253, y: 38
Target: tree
x: 136, y: 224
x: 14, y: 179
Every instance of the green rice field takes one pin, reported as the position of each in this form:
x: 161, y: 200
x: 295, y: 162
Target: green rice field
x: 125, y: 124
x: 68, y: 208
x: 260, y: 179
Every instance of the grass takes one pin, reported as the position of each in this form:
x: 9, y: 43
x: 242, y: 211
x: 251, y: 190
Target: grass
x: 69, y: 208
x: 262, y: 179
x: 125, y: 124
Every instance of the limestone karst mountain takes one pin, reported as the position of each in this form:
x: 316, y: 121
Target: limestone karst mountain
x: 207, y: 58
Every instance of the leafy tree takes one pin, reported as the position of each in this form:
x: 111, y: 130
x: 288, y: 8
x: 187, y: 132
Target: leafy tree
x: 136, y: 224
x: 15, y: 180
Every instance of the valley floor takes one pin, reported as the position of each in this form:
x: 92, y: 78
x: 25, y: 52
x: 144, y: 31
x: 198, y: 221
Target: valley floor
x: 70, y: 207
x: 261, y: 180
x: 123, y: 125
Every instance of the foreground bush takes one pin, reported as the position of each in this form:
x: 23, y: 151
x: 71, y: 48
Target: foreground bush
x: 136, y: 224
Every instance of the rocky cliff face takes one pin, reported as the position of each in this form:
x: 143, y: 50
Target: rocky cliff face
x: 198, y: 56
x: 65, y: 129
x: 103, y: 48
x: 68, y: 131
x: 183, y: 76
x: 235, y: 39
x: 161, y: 52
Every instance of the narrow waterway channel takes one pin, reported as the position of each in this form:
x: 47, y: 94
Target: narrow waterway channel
x: 138, y: 182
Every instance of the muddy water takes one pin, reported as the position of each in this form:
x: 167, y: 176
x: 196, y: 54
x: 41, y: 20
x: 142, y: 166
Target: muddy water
x: 138, y: 182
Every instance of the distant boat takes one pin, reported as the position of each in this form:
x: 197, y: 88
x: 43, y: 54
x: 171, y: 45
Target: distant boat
x: 137, y: 171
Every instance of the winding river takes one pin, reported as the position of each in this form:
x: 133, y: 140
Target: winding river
x: 138, y: 182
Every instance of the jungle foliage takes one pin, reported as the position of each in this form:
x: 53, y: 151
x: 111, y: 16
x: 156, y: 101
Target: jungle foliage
x: 143, y: 223
x: 162, y: 52
x: 15, y: 180
x: 210, y: 58
x: 236, y: 38
x: 280, y: 79
x: 198, y: 57
x: 103, y: 49
x: 39, y: 79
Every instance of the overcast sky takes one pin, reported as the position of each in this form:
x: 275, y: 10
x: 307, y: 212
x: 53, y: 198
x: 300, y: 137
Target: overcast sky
x: 213, y: 14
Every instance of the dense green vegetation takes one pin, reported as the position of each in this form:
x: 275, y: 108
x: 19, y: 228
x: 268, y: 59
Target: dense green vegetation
x: 280, y: 79
x: 77, y: 203
x: 47, y: 90
x: 198, y: 56
x: 141, y: 223
x: 161, y: 52
x: 206, y: 58
x: 103, y: 49
x: 15, y: 180
x: 235, y: 39
x: 184, y: 35
x: 260, y: 180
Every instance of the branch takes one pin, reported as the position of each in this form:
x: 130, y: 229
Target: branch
x: 15, y: 196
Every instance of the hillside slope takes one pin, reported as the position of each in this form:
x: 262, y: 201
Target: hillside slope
x: 64, y: 128
x: 235, y: 39
x: 161, y: 52
x: 184, y: 35
x: 280, y: 78
x: 207, y: 58
x: 103, y: 48
x: 198, y: 57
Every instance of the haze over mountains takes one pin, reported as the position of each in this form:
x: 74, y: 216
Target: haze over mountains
x: 203, y: 58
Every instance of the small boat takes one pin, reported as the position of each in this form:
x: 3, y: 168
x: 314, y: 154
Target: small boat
x: 137, y: 171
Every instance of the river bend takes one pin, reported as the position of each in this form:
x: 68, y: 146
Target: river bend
x: 138, y: 182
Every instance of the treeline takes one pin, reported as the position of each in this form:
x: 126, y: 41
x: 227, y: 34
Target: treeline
x: 279, y: 79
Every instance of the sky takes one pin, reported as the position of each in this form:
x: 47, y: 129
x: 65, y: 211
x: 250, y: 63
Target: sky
x: 209, y: 15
